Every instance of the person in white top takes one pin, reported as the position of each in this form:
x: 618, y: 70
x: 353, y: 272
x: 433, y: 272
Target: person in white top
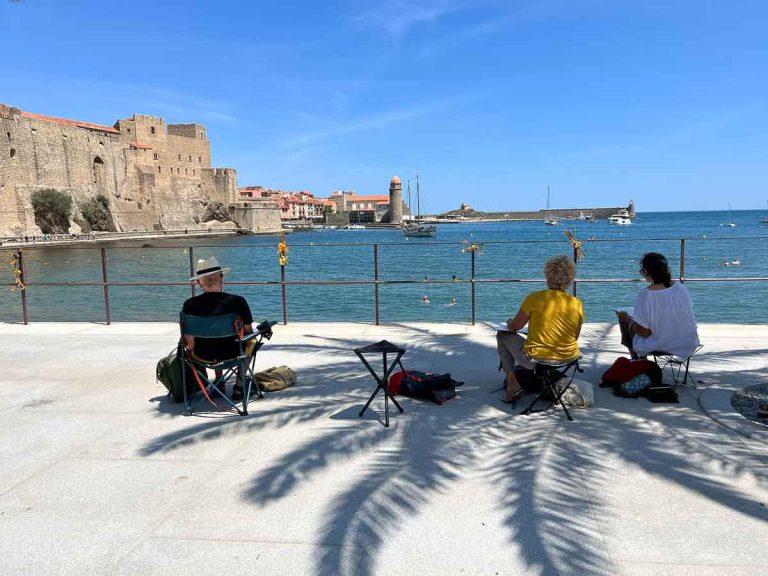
x: 662, y: 320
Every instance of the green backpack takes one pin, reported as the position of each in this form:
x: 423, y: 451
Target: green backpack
x: 168, y: 372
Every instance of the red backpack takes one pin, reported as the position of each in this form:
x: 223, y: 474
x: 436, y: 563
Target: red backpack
x: 624, y: 369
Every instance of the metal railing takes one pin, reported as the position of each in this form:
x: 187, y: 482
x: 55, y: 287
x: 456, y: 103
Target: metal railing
x: 375, y: 282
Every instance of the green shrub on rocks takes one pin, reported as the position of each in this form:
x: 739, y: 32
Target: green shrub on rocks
x: 96, y: 215
x: 52, y: 210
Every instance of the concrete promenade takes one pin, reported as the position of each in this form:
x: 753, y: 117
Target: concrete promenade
x: 101, y: 474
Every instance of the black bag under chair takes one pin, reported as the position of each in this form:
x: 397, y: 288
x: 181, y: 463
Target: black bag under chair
x: 551, y: 374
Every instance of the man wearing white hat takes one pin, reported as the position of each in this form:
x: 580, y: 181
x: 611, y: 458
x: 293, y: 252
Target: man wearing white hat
x: 215, y: 302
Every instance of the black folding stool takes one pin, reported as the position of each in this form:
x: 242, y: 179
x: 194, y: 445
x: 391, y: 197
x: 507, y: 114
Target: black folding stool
x: 382, y: 347
x: 676, y: 365
x: 550, y: 372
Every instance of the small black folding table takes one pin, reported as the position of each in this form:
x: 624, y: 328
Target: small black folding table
x: 382, y: 383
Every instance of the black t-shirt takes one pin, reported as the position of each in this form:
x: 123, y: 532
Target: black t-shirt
x: 216, y: 304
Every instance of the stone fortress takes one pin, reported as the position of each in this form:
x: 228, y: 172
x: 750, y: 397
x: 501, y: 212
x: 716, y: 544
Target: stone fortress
x: 156, y: 176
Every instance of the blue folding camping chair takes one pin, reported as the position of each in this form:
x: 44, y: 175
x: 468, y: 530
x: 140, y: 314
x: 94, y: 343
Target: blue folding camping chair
x: 223, y: 326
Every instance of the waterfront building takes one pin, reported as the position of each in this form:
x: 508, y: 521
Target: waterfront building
x: 361, y: 209
x: 293, y: 205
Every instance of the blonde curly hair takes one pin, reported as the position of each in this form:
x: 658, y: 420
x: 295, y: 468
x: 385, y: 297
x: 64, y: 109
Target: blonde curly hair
x: 559, y: 272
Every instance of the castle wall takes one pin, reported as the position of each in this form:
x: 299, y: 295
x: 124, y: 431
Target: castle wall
x: 156, y: 176
x: 261, y: 217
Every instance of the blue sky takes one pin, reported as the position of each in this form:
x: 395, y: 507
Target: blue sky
x: 663, y: 102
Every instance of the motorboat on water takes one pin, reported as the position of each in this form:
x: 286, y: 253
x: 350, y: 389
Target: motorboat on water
x: 621, y: 218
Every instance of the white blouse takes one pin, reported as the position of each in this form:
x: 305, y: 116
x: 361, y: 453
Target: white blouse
x: 668, y: 313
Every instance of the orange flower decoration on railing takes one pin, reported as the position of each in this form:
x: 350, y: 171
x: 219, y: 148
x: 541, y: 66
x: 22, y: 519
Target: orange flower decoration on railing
x: 472, y: 247
x: 576, y: 244
x: 282, y: 250
x: 15, y: 263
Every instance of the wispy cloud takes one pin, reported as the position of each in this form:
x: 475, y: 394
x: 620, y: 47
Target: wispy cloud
x: 182, y: 104
x: 378, y: 120
x: 399, y: 16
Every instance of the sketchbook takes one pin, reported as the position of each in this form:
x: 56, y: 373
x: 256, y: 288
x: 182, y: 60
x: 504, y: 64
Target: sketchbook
x: 502, y: 326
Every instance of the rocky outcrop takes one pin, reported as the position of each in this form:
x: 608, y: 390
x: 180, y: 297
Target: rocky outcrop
x: 216, y: 211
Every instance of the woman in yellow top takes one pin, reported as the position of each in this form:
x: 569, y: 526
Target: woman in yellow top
x: 554, y: 317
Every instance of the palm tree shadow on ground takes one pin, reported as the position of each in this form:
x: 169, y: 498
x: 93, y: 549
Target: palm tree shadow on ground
x: 548, y: 473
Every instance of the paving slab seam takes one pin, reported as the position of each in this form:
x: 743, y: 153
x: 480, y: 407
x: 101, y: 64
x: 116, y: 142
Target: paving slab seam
x: 253, y: 540
x: 150, y: 459
x: 631, y: 560
x: 163, y: 518
x: 82, y: 412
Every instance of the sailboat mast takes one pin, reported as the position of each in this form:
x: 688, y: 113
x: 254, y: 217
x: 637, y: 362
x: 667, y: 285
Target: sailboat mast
x: 418, y: 198
x: 547, y: 201
x: 410, y: 206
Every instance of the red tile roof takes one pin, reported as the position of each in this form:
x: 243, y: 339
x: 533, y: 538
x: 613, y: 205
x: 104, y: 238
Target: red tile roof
x: 140, y: 146
x: 76, y: 123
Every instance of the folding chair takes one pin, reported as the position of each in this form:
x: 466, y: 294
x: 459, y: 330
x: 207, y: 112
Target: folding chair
x: 676, y: 364
x: 223, y: 326
x: 550, y: 373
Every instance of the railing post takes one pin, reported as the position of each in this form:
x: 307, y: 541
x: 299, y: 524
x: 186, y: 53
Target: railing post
x: 472, y: 282
x: 376, y: 281
x: 192, y: 267
x: 282, y: 287
x: 23, y: 280
x: 106, y: 284
x: 682, y: 260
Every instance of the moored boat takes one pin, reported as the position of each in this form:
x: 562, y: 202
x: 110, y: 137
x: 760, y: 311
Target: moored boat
x: 416, y: 228
x: 620, y: 218
x: 550, y: 220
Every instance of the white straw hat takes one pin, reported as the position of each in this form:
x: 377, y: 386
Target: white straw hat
x: 206, y: 267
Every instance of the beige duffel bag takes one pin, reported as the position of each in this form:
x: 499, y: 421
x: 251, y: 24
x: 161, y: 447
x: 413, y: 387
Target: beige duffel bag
x: 276, y: 378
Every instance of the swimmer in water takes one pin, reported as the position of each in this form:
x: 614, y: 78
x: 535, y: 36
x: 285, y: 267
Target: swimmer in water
x: 425, y: 299
x: 452, y: 302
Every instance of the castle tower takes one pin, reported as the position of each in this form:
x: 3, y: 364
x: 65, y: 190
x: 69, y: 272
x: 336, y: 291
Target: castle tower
x: 395, y: 201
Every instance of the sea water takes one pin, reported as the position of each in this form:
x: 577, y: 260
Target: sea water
x: 440, y: 268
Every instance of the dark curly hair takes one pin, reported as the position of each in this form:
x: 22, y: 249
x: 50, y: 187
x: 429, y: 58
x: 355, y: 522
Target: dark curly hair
x: 657, y: 267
